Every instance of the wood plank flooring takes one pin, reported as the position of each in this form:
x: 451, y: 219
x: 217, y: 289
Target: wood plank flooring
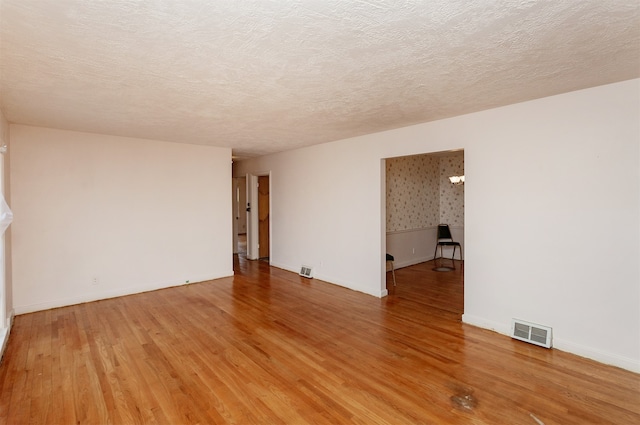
x: 270, y: 347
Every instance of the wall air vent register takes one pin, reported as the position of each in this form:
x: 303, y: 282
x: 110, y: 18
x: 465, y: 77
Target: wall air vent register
x: 306, y: 271
x: 531, y: 333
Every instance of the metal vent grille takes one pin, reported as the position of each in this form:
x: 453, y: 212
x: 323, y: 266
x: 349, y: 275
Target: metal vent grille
x: 539, y: 335
x: 520, y: 330
x: 531, y: 333
x: 306, y: 271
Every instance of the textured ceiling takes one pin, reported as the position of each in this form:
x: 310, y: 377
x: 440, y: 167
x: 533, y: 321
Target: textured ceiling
x: 266, y: 76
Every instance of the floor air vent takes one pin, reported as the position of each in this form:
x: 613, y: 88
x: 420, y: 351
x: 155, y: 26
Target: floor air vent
x: 306, y: 271
x: 531, y: 333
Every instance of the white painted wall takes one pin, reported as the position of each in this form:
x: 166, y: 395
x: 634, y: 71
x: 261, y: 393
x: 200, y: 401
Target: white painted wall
x: 413, y: 246
x: 306, y: 230
x: 552, y: 216
x: 134, y: 214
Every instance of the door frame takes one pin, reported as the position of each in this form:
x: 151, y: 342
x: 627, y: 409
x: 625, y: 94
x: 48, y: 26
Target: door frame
x: 383, y: 209
x: 252, y: 215
x: 234, y: 206
x: 264, y: 240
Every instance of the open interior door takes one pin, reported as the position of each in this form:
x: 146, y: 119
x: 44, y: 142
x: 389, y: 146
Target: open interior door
x: 263, y: 217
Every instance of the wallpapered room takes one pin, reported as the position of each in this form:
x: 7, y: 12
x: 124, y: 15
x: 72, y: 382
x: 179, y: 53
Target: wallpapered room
x: 424, y: 192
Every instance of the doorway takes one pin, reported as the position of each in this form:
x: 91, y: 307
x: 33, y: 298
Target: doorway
x: 258, y: 207
x: 263, y: 218
x: 418, y: 197
x: 239, y: 204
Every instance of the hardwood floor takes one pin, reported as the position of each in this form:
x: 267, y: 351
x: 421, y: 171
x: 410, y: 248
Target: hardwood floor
x: 270, y: 347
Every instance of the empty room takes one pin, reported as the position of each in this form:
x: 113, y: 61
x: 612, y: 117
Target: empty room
x: 357, y: 130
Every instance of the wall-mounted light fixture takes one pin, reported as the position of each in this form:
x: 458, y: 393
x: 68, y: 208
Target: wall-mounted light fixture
x: 456, y: 179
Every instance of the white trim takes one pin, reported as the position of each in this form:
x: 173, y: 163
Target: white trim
x: 328, y: 279
x: 600, y: 356
x: 4, y: 340
x: 486, y: 324
x: 3, y: 280
x: 415, y: 246
x: 4, y: 334
x: 4, y: 318
x: 252, y: 217
x: 253, y: 252
x: 63, y: 302
x: 349, y: 285
x: 560, y: 344
x: 235, y: 212
x: 401, y: 264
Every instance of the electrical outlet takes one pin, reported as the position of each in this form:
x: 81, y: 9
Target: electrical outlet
x: 414, y: 251
x: 95, y: 281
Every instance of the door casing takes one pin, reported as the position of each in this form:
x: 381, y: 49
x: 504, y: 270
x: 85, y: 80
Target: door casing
x: 253, y: 222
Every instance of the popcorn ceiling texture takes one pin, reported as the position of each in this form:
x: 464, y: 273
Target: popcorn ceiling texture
x: 419, y: 194
x: 267, y: 76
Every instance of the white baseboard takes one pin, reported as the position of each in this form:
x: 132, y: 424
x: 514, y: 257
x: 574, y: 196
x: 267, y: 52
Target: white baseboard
x: 4, y: 334
x: 4, y: 339
x: 412, y: 262
x: 611, y: 359
x: 120, y: 292
x: 415, y: 246
x: 487, y: 324
x: 329, y: 279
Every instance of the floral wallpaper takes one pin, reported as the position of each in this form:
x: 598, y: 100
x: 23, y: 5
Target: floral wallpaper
x: 451, y: 196
x: 412, y: 192
x: 419, y: 193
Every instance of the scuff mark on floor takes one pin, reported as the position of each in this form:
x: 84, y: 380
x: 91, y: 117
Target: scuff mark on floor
x: 536, y: 419
x: 464, y: 399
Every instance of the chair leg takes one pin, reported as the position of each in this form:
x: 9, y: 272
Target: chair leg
x: 453, y: 257
x: 393, y: 271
